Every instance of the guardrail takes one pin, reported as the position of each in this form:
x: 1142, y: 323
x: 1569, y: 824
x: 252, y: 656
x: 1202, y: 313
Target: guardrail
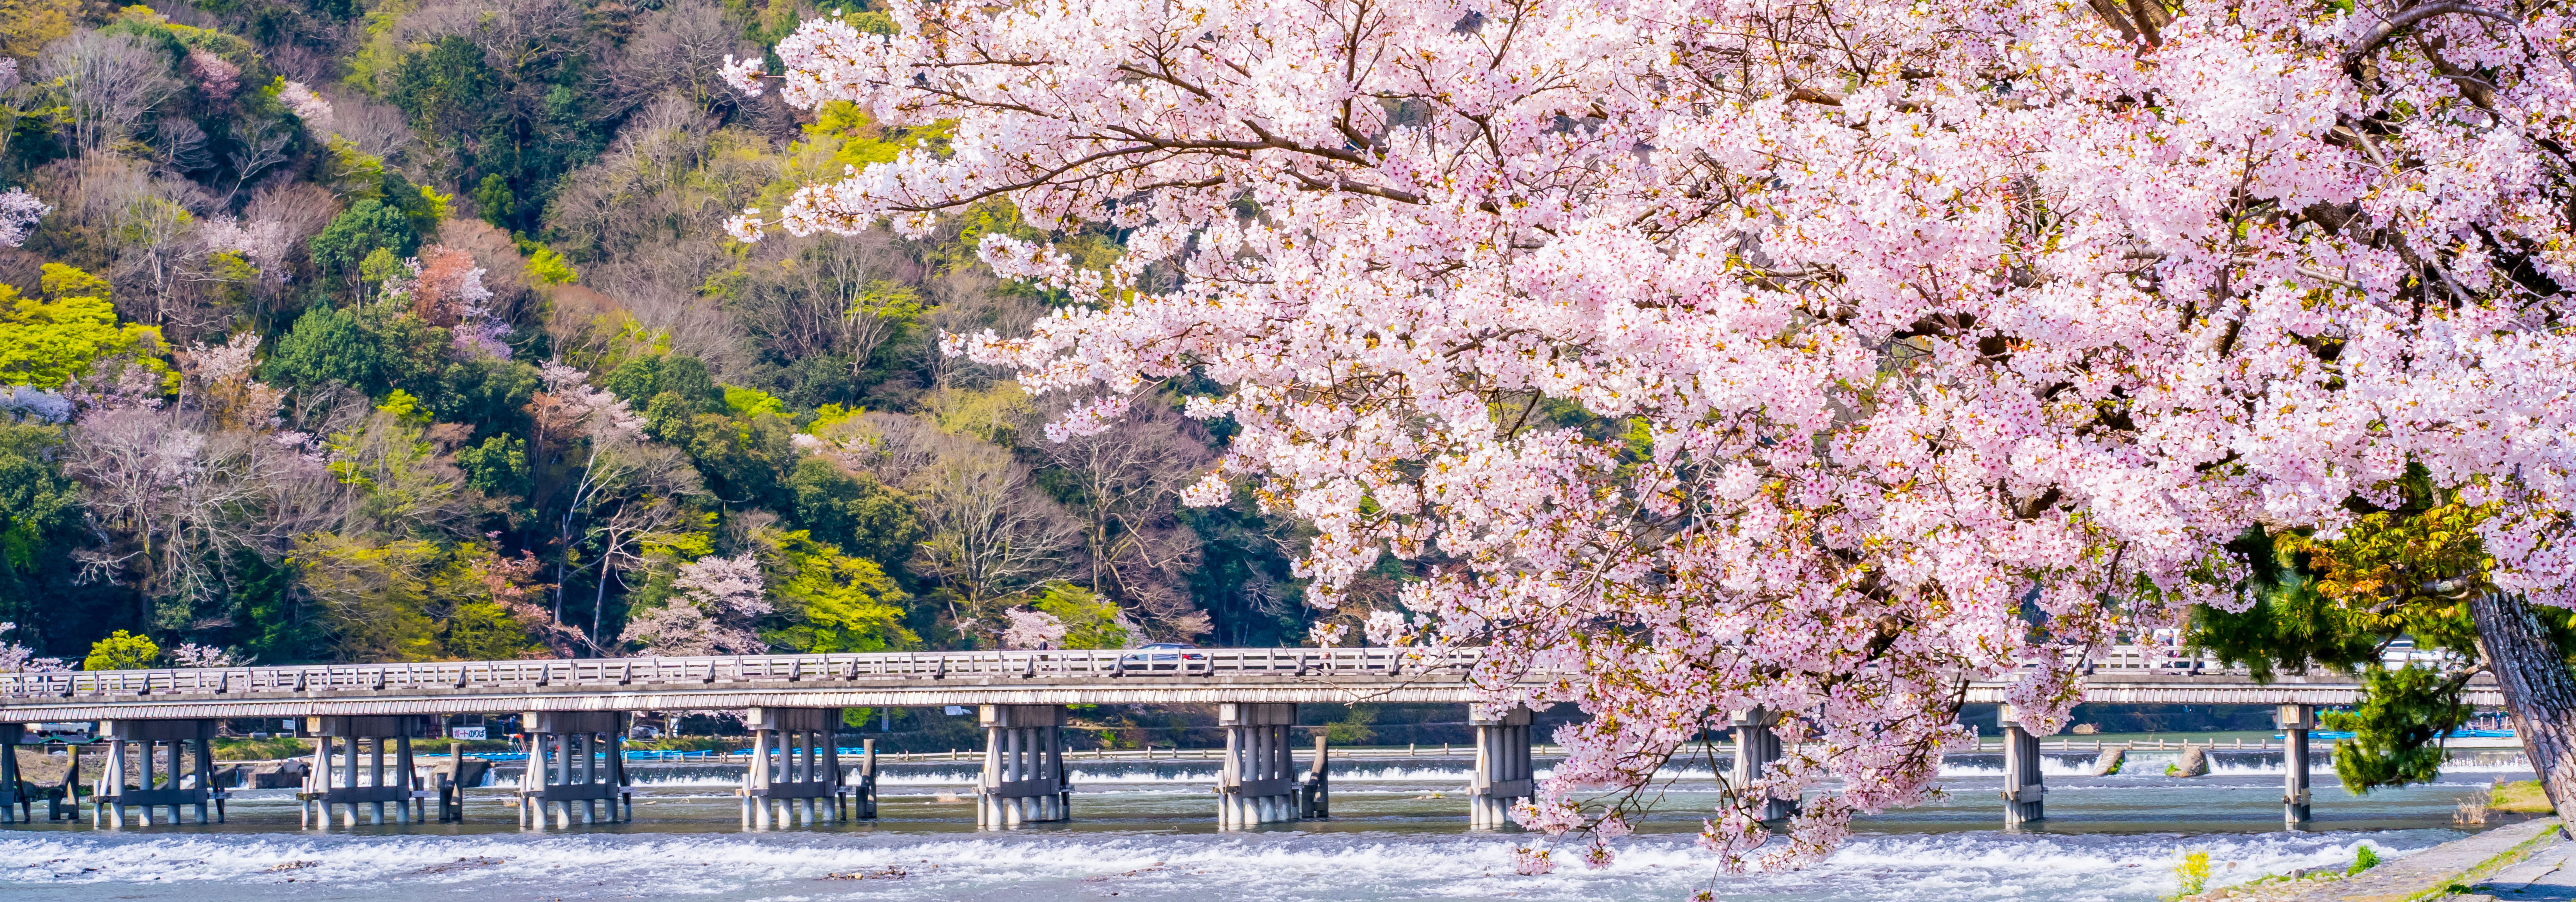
x: 610, y: 674
x: 615, y: 674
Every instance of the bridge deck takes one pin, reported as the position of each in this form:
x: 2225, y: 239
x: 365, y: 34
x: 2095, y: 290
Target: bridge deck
x: 921, y: 679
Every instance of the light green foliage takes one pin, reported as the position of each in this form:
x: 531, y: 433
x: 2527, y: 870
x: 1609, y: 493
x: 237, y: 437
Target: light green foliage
x: 54, y: 337
x: 416, y: 599
x: 550, y: 268
x: 353, y: 173
x: 122, y: 651
x: 832, y: 602
x: 2363, y: 859
x: 1089, y: 620
x: 439, y: 206
x: 744, y: 402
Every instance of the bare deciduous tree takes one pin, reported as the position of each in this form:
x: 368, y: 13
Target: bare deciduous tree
x: 107, y: 83
x: 990, y: 533
x: 1128, y: 481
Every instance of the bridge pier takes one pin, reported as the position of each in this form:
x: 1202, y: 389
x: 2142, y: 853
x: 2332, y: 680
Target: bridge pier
x: 14, y: 800
x: 2296, y: 721
x: 574, y: 756
x: 1503, y: 773
x: 863, y: 792
x: 190, y: 746
x: 358, y: 744
x: 64, y: 804
x: 2025, y: 795
x: 1315, y: 799
x: 1024, y: 780
x: 795, y: 766
x: 1258, y: 784
x: 1756, y: 746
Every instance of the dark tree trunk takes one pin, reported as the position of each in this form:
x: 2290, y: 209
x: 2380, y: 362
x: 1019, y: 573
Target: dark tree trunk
x: 2539, y: 693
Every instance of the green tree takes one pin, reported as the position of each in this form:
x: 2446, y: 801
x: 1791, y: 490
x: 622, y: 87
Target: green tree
x: 365, y: 227
x: 327, y: 345
x: 53, y: 338
x: 122, y: 651
x: 864, y: 517
x: 2415, y: 569
x: 39, y: 506
x: 1089, y: 620
x: 447, y: 89
x: 494, y: 202
x: 831, y: 602
x: 498, y: 467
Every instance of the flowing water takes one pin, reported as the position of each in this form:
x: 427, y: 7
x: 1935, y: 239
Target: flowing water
x: 1146, y: 831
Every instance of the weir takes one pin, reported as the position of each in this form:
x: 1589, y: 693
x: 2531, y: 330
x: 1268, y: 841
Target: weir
x: 574, y: 757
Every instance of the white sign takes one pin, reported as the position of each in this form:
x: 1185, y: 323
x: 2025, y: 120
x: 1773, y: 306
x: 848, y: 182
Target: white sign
x: 467, y: 733
x: 954, y: 710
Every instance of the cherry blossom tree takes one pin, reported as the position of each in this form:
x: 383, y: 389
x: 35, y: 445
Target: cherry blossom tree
x: 1032, y: 629
x: 719, y: 598
x: 16, y: 658
x: 19, y: 211
x: 1815, y: 356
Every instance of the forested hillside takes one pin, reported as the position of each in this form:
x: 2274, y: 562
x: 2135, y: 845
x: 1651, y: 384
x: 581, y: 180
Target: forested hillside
x: 408, y: 330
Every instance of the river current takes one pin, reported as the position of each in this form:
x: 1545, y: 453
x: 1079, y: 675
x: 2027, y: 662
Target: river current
x: 1147, y: 832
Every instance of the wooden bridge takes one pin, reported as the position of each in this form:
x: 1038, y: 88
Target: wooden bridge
x: 576, y: 710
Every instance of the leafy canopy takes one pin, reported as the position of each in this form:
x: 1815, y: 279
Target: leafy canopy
x: 53, y: 337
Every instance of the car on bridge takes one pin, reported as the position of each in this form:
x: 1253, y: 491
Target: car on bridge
x: 1161, y: 656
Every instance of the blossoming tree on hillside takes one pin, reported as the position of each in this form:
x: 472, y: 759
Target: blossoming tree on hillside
x: 1816, y: 356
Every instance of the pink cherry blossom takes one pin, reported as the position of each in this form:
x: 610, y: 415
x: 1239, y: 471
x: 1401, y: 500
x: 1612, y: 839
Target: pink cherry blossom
x: 1703, y: 356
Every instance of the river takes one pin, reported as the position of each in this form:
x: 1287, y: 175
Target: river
x: 1146, y: 832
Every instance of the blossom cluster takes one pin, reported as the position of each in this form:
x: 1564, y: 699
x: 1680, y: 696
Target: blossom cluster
x: 1706, y: 369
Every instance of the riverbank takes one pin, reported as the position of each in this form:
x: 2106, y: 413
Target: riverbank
x: 2464, y: 870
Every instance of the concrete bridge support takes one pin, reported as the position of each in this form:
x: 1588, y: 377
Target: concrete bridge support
x: 795, y: 767
x: 349, y: 769
x: 2025, y: 796
x: 15, y: 802
x: 190, y: 782
x: 863, y: 785
x: 1757, y: 744
x: 1024, y: 780
x: 1258, y: 784
x: 1315, y: 799
x: 2296, y: 721
x: 64, y: 803
x: 1503, y: 774
x: 574, y: 758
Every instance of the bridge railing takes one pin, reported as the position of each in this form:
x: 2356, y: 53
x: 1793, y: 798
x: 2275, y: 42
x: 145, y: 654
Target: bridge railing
x: 610, y: 674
